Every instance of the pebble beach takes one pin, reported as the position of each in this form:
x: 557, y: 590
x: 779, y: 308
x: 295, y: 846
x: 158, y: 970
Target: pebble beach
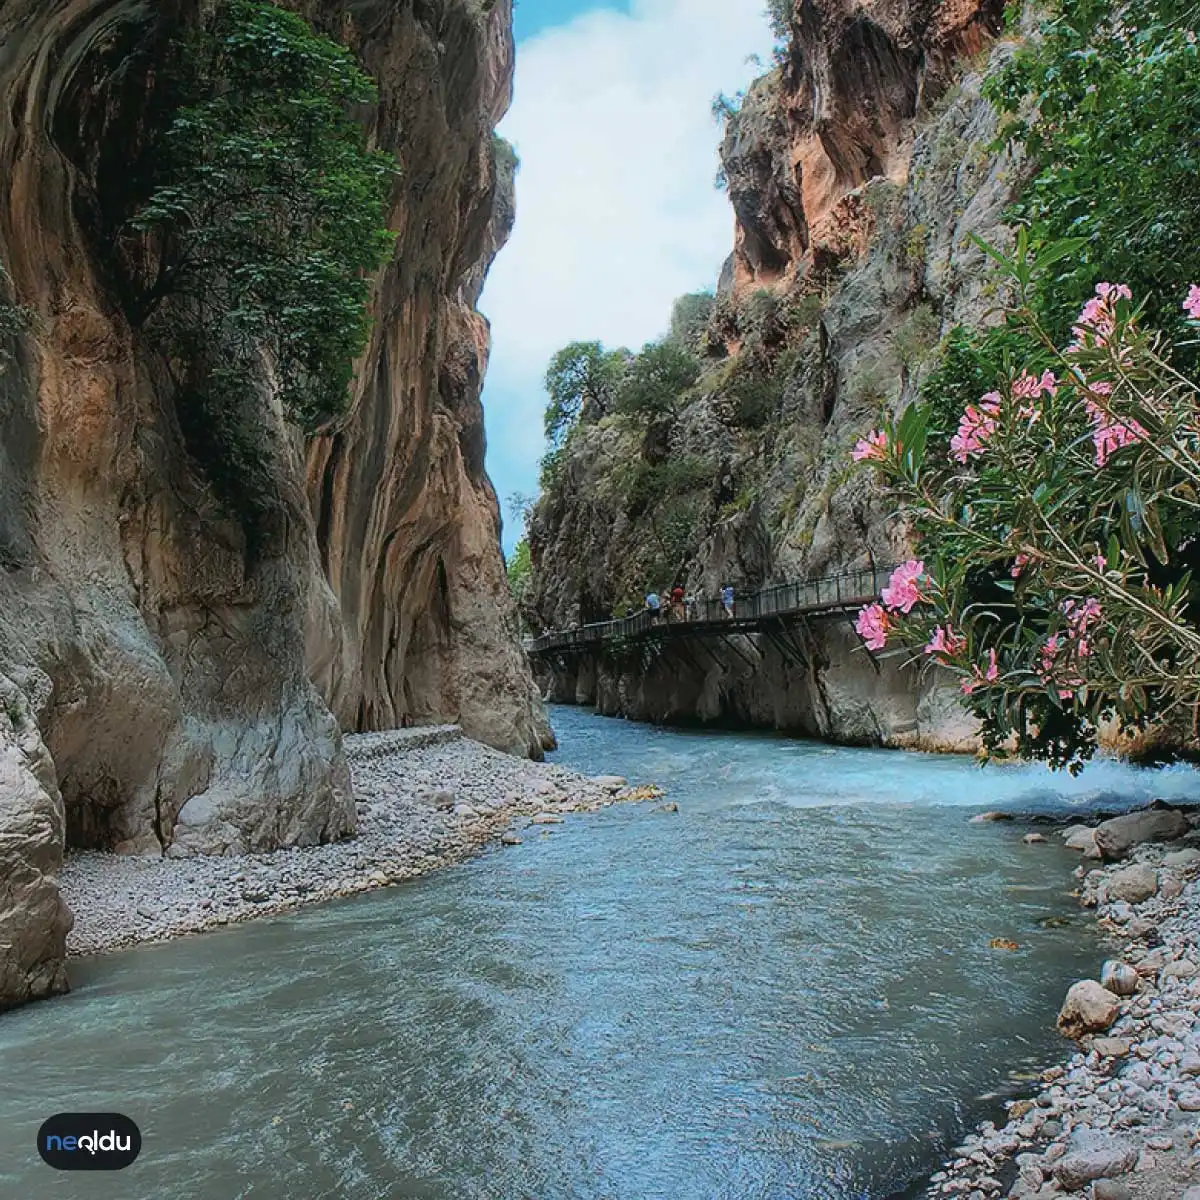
x: 426, y: 797
x: 1119, y: 1119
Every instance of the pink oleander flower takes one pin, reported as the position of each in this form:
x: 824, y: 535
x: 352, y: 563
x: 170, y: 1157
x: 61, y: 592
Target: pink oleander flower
x: 1019, y: 565
x: 1109, y: 436
x: 1081, y: 617
x: 1048, y: 667
x: 873, y: 626
x: 1098, y: 319
x: 980, y: 677
x: 1100, y: 563
x: 946, y: 641
x: 1047, y: 657
x: 976, y: 427
x: 873, y: 446
x: 1191, y: 305
x: 901, y: 591
x: 1108, y: 433
x: 1030, y: 387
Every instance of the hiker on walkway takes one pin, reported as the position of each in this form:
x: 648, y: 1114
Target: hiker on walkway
x: 677, y: 603
x: 727, y: 600
x: 653, y: 605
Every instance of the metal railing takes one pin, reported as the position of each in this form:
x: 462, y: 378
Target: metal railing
x: 829, y: 593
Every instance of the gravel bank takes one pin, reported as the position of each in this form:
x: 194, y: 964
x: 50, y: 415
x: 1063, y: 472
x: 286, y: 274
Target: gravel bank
x: 1121, y: 1119
x: 426, y: 798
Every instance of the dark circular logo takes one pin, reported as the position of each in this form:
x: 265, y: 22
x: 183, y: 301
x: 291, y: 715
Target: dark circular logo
x: 89, y: 1141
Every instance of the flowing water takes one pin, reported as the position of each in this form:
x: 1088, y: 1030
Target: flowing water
x: 785, y: 989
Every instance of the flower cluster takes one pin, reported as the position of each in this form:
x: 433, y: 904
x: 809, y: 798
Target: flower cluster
x: 1098, y: 318
x: 873, y: 623
x: 1081, y: 617
x: 873, y: 626
x: 946, y: 643
x: 980, y: 676
x: 1051, y: 670
x: 1061, y: 649
x: 873, y: 446
x: 1191, y: 304
x: 902, y: 592
x: 1108, y: 433
x: 976, y: 427
x: 1028, y: 388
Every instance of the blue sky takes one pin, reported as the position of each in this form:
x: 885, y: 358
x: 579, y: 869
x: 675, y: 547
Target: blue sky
x: 616, y: 210
x: 532, y: 16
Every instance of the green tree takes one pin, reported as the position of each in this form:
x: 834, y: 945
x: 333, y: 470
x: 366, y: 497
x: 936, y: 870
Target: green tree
x: 689, y: 319
x: 268, y: 216
x: 1106, y: 104
x: 581, y: 383
x: 520, y: 570
x: 656, y: 381
x: 779, y: 17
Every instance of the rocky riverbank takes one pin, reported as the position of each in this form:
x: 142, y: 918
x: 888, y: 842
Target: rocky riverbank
x: 1121, y: 1119
x: 426, y: 798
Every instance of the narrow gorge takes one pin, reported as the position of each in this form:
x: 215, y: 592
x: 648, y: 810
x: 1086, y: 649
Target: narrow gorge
x: 801, y: 801
x: 858, y: 169
x: 175, y: 674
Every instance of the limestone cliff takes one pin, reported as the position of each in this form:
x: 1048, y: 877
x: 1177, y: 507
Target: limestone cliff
x: 424, y: 627
x: 167, y: 680
x: 856, y: 170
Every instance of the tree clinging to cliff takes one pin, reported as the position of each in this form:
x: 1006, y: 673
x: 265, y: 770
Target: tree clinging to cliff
x: 581, y: 382
x: 269, y: 212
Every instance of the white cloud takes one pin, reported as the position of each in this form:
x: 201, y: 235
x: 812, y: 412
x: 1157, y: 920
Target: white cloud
x: 616, y: 210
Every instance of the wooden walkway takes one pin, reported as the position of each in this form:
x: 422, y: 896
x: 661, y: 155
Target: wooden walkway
x: 761, y: 611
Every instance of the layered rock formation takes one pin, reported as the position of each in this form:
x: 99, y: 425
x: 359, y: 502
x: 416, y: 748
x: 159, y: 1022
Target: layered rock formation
x: 186, y: 679
x: 856, y: 170
x: 840, y: 111
x: 424, y: 627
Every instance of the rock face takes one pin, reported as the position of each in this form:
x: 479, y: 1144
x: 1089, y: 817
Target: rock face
x: 185, y: 678
x: 424, y: 627
x: 836, y: 693
x: 856, y: 171
x: 839, y: 113
x: 33, y: 917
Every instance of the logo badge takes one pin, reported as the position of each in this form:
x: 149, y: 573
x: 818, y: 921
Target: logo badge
x: 89, y: 1141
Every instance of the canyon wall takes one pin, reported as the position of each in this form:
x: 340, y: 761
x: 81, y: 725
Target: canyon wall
x: 171, y: 681
x: 823, y: 686
x: 856, y: 169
